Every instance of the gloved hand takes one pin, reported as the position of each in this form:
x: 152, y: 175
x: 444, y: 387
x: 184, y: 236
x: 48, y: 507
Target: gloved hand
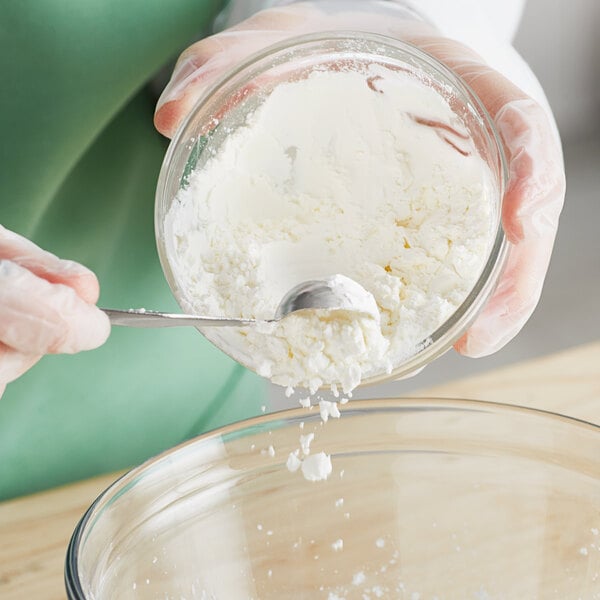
x: 535, y: 191
x: 47, y: 306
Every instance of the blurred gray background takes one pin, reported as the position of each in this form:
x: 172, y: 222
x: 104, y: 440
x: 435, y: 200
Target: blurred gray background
x: 559, y: 39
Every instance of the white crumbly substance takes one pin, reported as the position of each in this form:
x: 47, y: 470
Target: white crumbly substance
x: 328, y: 409
x: 293, y: 462
x: 366, y: 174
x: 305, y: 441
x: 316, y: 467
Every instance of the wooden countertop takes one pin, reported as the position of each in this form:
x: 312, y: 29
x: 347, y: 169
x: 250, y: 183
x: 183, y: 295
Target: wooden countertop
x: 35, y: 530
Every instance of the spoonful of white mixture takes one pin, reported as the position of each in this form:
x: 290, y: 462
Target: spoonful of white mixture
x: 336, y: 293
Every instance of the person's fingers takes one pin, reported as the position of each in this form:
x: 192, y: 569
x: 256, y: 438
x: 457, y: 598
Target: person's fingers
x: 200, y: 65
x: 40, y: 317
x: 535, y: 191
x: 22, y: 251
x: 201, y: 68
x: 513, y: 301
x: 536, y: 188
x: 532, y: 205
x: 203, y: 63
x: 532, y: 201
x: 13, y: 364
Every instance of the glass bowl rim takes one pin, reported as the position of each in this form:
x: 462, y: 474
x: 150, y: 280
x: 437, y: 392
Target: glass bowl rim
x: 72, y: 582
x: 450, y: 330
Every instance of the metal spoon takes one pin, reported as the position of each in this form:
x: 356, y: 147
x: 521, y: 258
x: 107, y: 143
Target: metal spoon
x: 334, y: 293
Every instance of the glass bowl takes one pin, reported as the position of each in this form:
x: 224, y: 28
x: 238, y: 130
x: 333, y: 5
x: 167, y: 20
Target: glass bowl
x: 225, y: 107
x: 427, y: 499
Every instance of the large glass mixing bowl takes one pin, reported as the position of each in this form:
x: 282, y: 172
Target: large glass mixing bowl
x: 427, y: 499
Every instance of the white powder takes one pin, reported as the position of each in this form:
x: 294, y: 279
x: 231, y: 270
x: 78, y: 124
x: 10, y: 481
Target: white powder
x: 305, y: 441
x: 316, y: 467
x: 370, y: 175
x: 293, y: 462
x: 338, y: 545
x: 358, y: 578
x: 328, y: 409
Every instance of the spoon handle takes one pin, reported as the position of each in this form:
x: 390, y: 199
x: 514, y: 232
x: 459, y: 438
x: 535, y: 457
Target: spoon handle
x: 139, y: 317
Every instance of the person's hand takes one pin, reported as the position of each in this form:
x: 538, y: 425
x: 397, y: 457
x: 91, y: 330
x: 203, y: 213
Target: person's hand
x: 536, y: 187
x: 47, y: 306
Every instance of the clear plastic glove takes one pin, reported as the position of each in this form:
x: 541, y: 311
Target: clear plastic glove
x: 47, y: 306
x: 535, y: 191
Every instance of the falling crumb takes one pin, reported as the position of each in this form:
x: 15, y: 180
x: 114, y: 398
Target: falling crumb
x: 270, y: 532
x: 271, y: 451
x: 317, y: 467
x: 269, y: 573
x: 263, y: 409
x: 289, y: 391
x: 304, y: 402
x: 293, y: 462
x: 259, y: 527
x: 380, y: 542
x: 378, y: 591
x: 301, y: 425
x: 595, y: 530
x: 338, y: 545
x: 358, y: 578
x: 305, y: 441
x: 328, y: 409
x: 339, y: 502
x: 346, y: 515
x: 583, y: 551
x: 415, y: 596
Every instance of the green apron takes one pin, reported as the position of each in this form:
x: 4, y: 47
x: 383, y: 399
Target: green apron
x: 79, y: 161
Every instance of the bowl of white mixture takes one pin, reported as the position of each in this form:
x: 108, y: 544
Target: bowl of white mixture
x: 422, y: 499
x: 337, y: 153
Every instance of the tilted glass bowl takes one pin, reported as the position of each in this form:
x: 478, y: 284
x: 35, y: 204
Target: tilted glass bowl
x: 427, y: 499
x: 225, y: 107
